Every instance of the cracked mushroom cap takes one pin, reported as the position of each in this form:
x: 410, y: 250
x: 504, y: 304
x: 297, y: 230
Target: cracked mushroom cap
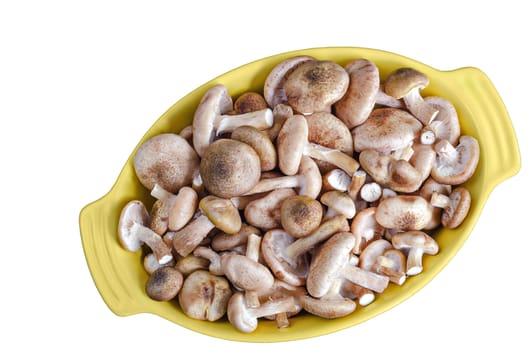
x: 386, y: 130
x: 404, y: 212
x: 360, y: 98
x: 315, y: 85
x: 168, y: 160
x: 229, y: 168
x: 454, y: 166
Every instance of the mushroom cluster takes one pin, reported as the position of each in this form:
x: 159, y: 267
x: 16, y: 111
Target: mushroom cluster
x: 312, y: 195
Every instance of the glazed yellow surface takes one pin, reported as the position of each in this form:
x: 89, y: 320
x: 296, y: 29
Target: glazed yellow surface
x: 119, y: 274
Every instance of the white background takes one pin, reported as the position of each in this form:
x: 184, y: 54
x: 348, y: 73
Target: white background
x: 81, y: 82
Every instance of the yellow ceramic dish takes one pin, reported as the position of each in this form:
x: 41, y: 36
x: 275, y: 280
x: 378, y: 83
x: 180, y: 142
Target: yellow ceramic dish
x: 119, y: 274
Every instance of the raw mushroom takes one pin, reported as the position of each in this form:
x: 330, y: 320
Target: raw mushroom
x: 454, y: 166
x: 331, y: 305
x: 210, y: 118
x: 336, y: 180
x: 338, y: 203
x: 260, y: 142
x: 357, y: 104
x: 265, y: 212
x: 191, y: 263
x: 245, y: 319
x: 132, y: 232
x: 164, y: 283
x: 393, y: 264
x: 180, y: 207
x: 456, y: 206
x: 280, y: 290
x: 214, y: 212
x: 281, y: 112
x: 445, y: 126
x: 315, y: 85
x: 365, y: 229
x: 151, y: 264
x: 286, y: 256
x: 332, y: 262
x: 300, y: 215
x: 386, y: 130
x: 292, y: 144
x: 274, y: 92
x: 404, y: 212
x: 249, y: 102
x: 308, y: 180
x: 417, y: 243
x: 204, y: 296
x: 167, y: 160
x: 223, y: 241
x: 385, y: 100
x: 428, y: 188
x: 373, y: 259
x: 229, y: 168
x: 407, y: 83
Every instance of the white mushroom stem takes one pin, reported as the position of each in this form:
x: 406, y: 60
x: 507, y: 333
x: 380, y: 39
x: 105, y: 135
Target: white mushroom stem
x: 427, y: 137
x: 215, y: 266
x: 386, y: 266
x: 414, y: 261
x: 439, y: 200
x: 364, y: 278
x: 261, y: 119
x: 144, y: 234
x: 371, y: 192
x: 357, y: 181
x: 273, y: 307
x: 363, y: 295
x: 446, y: 150
x: 422, y: 110
x: 190, y: 236
x: 252, y: 252
x: 332, y: 156
x: 404, y: 153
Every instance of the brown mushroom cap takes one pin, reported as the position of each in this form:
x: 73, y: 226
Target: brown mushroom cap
x: 456, y: 206
x: 404, y: 212
x: 417, y: 243
x: 245, y: 273
x: 360, y: 98
x: 454, y: 166
x: 300, y: 215
x: 385, y: 130
x: 260, y: 142
x: 229, y: 168
x: 164, y: 283
x: 249, y: 102
x: 265, y: 212
x: 315, y: 85
x: 222, y: 213
x: 291, y: 140
x: 204, y: 296
x: 167, y: 160
x: 401, y: 81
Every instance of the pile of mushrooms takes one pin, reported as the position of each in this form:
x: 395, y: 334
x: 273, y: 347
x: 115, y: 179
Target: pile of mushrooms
x: 312, y: 195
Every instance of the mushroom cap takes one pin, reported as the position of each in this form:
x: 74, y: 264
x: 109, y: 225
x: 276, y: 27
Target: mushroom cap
x: 274, y: 92
x: 328, y: 263
x: 159, y: 217
x: 386, y: 130
x: 260, y: 142
x: 245, y: 273
x: 315, y: 85
x: 446, y: 125
x: 222, y: 213
x: 222, y: 241
x: 229, y: 168
x: 404, y: 212
x: 133, y: 212
x: 215, y: 102
x: 204, y: 296
x: 265, y: 212
x: 328, y: 308
x: 456, y: 212
x: 360, y: 98
x: 404, y: 177
x: 312, y: 181
x: 376, y: 164
x: 415, y: 240
x: 168, y: 160
x: 402, y: 80
x: 300, y: 215
x: 365, y: 228
x: 249, y: 102
x: 292, y: 270
x: 164, y: 283
x: 291, y: 140
x: 368, y: 256
x: 238, y: 315
x: 183, y: 208
x: 457, y: 169
x: 340, y: 202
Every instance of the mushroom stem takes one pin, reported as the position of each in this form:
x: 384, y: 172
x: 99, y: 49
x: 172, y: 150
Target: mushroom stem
x: 252, y: 252
x: 274, y: 307
x: 427, y: 137
x: 188, y: 238
x: 422, y: 110
x: 215, y: 266
x: 386, y: 100
x: 446, y: 150
x: 154, y: 241
x: 386, y: 266
x: 357, y: 181
x: 439, y: 200
x: 363, y: 295
x: 261, y: 119
x: 414, y: 261
x: 332, y: 156
x: 371, y: 192
x: 364, y: 278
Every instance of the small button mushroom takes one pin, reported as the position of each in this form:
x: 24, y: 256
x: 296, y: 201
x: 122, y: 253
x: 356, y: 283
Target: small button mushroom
x: 331, y: 305
x: 404, y: 212
x: 214, y: 212
x: 360, y: 98
x: 286, y: 256
x: 204, y: 296
x: 167, y: 160
x: 249, y: 102
x: 229, y: 168
x: 274, y: 92
x: 417, y: 243
x: 308, y: 180
x: 338, y: 203
x: 300, y: 215
x: 180, y: 207
x: 245, y: 319
x: 260, y: 142
x: 456, y: 206
x: 445, y: 125
x: 210, y: 118
x: 365, y: 229
x: 392, y: 264
x: 132, y: 232
x: 386, y: 130
x: 407, y: 83
x: 265, y: 212
x: 455, y: 165
x: 332, y: 262
x: 164, y: 283
x: 292, y: 144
